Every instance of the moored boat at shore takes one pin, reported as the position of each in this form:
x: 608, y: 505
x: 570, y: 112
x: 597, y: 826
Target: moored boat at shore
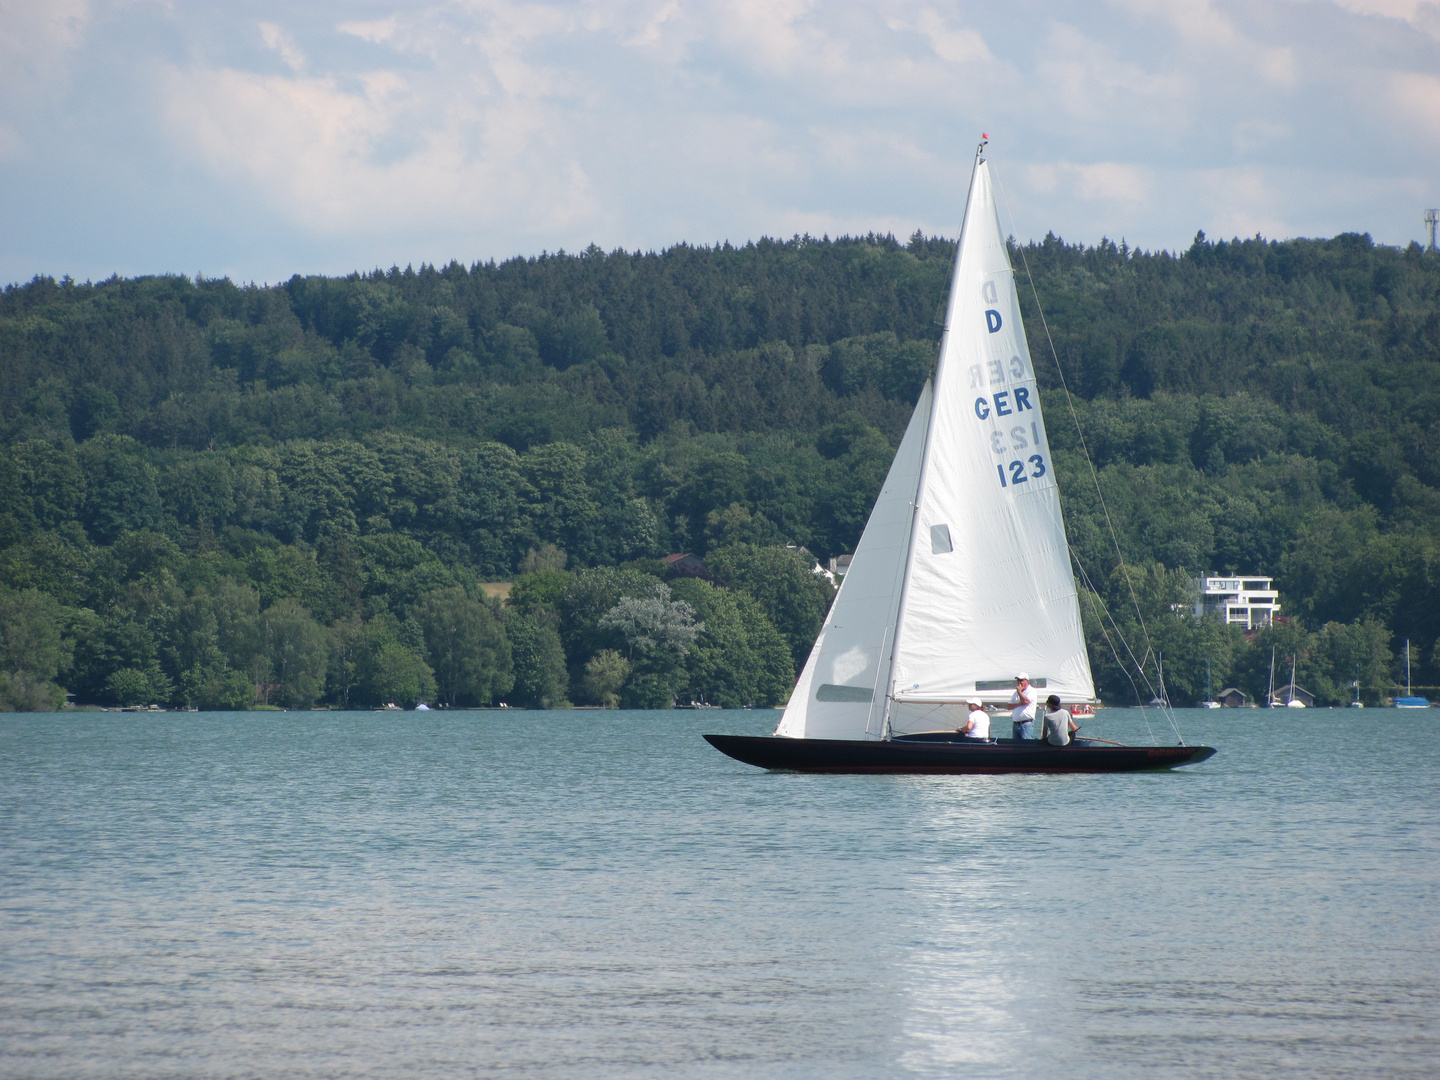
x: 1410, y: 700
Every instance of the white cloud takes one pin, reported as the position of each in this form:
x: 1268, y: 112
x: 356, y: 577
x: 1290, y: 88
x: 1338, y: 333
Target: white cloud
x: 1203, y: 27
x: 1242, y: 202
x: 957, y: 44
x: 35, y: 37
x: 1111, y: 181
x: 394, y: 150
x: 1421, y: 14
x: 1086, y: 80
x: 1418, y: 98
x: 488, y: 127
x: 376, y: 31
x: 1258, y: 133
x: 1104, y: 181
x: 37, y: 41
x: 653, y: 32
x: 776, y: 37
x: 1393, y: 9
x: 277, y: 39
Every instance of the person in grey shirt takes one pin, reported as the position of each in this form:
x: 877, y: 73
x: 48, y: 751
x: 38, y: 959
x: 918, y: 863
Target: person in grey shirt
x: 1058, y: 724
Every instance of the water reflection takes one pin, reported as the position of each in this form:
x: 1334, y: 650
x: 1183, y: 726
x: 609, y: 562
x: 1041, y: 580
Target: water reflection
x: 974, y: 985
x: 603, y: 895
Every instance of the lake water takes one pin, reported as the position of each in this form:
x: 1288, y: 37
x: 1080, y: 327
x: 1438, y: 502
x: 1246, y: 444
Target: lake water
x: 602, y: 895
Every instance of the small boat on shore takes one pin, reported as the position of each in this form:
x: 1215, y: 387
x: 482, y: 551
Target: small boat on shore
x: 961, y: 583
x: 1209, y: 702
x: 1410, y: 700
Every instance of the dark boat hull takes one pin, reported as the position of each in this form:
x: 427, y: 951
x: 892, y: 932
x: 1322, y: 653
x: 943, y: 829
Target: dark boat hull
x: 911, y: 755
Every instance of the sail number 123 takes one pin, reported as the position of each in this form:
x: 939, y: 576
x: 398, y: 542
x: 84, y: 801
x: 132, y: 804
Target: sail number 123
x: 1019, y: 473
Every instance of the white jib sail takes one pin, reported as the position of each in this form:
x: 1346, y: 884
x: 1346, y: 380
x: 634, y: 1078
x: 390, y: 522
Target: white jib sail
x: 841, y: 691
x: 989, y: 590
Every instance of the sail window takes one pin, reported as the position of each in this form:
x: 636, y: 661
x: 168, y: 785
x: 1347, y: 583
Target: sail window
x: 1005, y: 684
x: 940, y: 539
x: 839, y: 692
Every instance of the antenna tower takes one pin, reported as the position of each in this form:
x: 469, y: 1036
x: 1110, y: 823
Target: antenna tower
x: 1431, y: 217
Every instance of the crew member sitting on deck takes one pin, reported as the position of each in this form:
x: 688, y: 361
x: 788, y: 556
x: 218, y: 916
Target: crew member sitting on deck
x: 1058, y: 724
x: 1022, y: 716
x: 977, y: 724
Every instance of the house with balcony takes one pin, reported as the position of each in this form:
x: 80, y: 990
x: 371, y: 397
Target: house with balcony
x: 1247, y: 601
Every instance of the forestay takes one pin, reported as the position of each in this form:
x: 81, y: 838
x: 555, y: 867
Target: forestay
x: 841, y: 691
x: 988, y: 587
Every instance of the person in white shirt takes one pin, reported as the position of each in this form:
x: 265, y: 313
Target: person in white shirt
x: 1058, y: 724
x: 977, y: 724
x: 1022, y: 715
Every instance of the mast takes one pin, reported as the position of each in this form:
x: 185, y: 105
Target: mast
x: 1270, y: 693
x: 925, y: 454
x: 1408, y: 691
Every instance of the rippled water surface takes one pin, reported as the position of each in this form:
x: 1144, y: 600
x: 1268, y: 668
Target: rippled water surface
x: 601, y: 894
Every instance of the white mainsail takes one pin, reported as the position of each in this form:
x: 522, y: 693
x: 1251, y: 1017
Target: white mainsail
x: 841, y: 691
x: 980, y: 586
x: 988, y: 587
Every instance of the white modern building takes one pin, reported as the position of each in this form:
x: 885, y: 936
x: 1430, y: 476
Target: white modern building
x: 1250, y: 602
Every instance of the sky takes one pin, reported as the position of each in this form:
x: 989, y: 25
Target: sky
x: 260, y: 139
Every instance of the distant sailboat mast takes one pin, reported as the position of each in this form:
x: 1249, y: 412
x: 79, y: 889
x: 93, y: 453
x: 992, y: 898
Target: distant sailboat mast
x: 1209, y: 702
x: 1409, y: 701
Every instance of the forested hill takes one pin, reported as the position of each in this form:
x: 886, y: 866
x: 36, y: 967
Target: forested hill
x: 354, y: 446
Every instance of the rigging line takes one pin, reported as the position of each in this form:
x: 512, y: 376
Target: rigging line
x: 1155, y: 692
x: 1085, y: 449
x: 1139, y: 663
x: 1094, y: 600
x: 1075, y: 419
x: 1103, y: 613
x: 1160, y: 694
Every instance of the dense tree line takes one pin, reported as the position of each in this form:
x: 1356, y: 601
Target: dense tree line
x: 215, y: 493
x: 220, y: 629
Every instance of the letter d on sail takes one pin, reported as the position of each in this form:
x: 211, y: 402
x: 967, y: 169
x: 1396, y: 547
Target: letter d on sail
x: 992, y: 320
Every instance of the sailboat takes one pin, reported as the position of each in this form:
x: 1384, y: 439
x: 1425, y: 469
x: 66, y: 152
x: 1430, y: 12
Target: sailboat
x: 1209, y: 702
x: 961, y: 580
x: 1409, y: 701
x: 1270, y: 702
x: 1161, y: 700
x: 1293, y: 702
x: 1357, y: 703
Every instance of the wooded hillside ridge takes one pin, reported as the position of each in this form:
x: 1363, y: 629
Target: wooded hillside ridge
x: 326, y: 464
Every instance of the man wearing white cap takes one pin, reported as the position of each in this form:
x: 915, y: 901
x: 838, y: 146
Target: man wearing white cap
x: 1022, y: 714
